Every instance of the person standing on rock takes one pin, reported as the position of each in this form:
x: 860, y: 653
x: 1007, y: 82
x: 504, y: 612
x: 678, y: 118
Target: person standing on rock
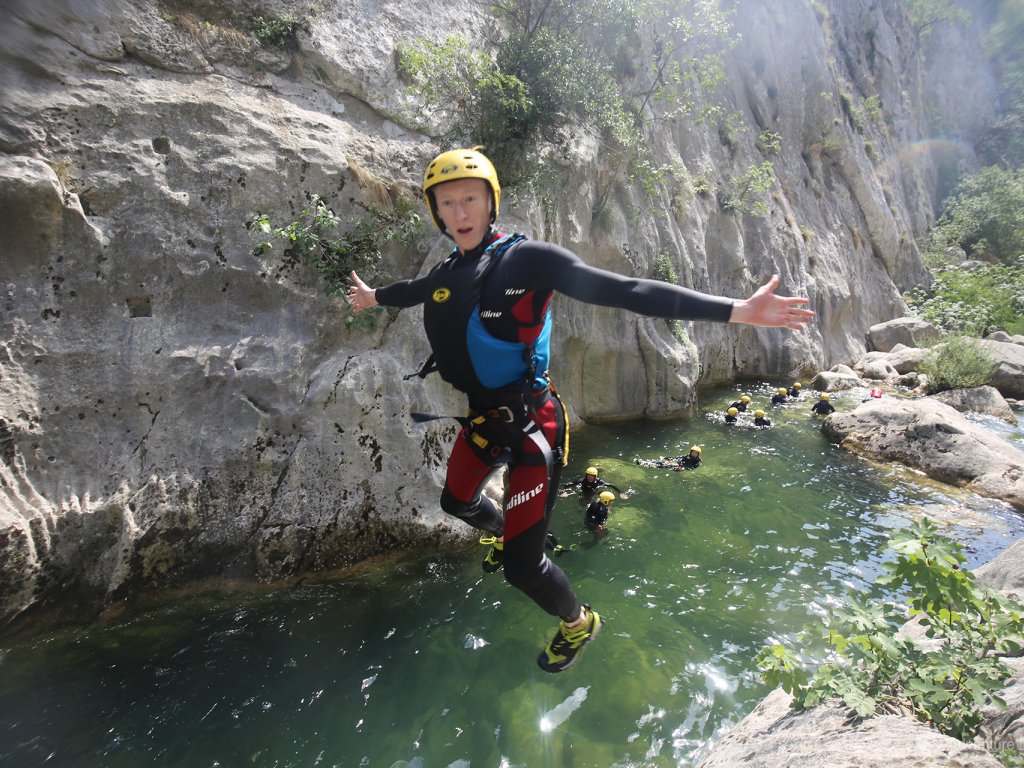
x: 486, y: 313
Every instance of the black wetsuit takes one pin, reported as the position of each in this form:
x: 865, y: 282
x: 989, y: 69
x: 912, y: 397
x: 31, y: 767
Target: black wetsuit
x: 730, y: 419
x: 520, y: 422
x: 587, y: 489
x: 794, y: 391
x: 595, y: 516
x: 739, y: 405
x: 762, y: 422
x: 823, y: 408
x: 779, y: 399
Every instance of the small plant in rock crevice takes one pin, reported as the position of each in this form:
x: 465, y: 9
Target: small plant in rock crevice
x: 313, y: 239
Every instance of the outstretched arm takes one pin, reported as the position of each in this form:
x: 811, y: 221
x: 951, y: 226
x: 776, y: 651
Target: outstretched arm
x: 766, y: 309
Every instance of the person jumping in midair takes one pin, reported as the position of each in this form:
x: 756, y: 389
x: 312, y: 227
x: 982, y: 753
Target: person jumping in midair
x: 486, y: 313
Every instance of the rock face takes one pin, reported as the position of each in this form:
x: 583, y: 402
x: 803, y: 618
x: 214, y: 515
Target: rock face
x: 935, y: 438
x: 174, y: 407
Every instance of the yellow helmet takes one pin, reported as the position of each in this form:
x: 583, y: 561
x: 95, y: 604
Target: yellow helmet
x: 823, y: 395
x: 591, y: 471
x: 732, y: 411
x: 606, y: 497
x: 797, y: 385
x: 759, y: 413
x: 695, y: 448
x: 458, y: 164
x: 782, y: 390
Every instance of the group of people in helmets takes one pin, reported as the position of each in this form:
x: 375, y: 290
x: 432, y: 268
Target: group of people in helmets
x: 487, y: 318
x: 782, y: 396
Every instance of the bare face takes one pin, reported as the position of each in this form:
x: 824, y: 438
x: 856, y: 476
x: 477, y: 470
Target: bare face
x: 464, y: 206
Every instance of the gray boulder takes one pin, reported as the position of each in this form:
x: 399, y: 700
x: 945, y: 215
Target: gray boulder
x: 773, y: 736
x: 935, y: 438
x: 875, y: 365
x: 832, y: 381
x: 985, y: 400
x: 907, y: 331
x: 1005, y: 337
x: 1008, y: 377
x: 906, y: 359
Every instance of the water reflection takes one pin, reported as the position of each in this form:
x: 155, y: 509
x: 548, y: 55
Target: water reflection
x: 427, y: 662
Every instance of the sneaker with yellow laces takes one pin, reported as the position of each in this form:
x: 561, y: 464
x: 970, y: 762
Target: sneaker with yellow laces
x: 567, y: 644
x: 496, y: 556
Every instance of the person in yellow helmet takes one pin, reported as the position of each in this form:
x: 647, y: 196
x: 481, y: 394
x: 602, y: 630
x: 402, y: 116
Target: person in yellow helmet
x: 823, y: 407
x: 487, y: 318
x: 597, y: 513
x: 760, y: 420
x: 781, y: 396
x: 741, y: 404
x: 690, y: 460
x: 795, y: 390
x: 588, y: 485
x: 731, y: 415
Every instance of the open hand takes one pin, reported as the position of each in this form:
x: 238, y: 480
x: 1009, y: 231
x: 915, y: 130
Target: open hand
x: 360, y: 295
x: 767, y: 310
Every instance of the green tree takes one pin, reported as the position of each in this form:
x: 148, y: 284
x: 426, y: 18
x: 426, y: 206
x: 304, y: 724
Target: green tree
x: 1004, y: 143
x: 926, y: 14
x: 985, y: 215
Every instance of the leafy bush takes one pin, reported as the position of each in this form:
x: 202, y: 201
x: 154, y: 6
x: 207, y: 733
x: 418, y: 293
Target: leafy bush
x: 275, y: 31
x: 859, y: 654
x: 358, y: 248
x: 975, y: 300
x: 958, y: 362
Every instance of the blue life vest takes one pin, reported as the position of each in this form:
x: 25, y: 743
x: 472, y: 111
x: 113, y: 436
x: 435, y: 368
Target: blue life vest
x: 465, y: 353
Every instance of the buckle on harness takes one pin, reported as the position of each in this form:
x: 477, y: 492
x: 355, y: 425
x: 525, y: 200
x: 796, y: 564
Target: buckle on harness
x: 503, y: 412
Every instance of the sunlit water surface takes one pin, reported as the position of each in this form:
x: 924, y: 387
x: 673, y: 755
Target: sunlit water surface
x: 427, y: 662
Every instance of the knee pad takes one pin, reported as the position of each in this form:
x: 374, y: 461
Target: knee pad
x: 480, y: 513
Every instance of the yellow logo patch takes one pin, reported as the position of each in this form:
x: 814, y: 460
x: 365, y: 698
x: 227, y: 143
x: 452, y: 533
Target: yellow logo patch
x: 441, y: 295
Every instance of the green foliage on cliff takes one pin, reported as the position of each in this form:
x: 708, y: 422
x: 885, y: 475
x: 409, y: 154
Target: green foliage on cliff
x: 313, y: 239
x: 569, y: 67
x: 860, y: 655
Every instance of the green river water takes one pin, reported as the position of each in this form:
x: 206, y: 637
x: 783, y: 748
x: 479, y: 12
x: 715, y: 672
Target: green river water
x: 426, y: 662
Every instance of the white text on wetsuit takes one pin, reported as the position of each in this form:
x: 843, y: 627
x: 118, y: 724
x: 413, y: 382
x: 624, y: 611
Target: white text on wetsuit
x: 522, y: 496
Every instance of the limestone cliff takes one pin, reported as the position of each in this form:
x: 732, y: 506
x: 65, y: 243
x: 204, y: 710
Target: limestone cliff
x: 173, y: 407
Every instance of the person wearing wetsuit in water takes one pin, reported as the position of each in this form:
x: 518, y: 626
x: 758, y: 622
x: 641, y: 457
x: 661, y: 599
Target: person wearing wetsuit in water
x: 486, y: 313
x: 588, y: 485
